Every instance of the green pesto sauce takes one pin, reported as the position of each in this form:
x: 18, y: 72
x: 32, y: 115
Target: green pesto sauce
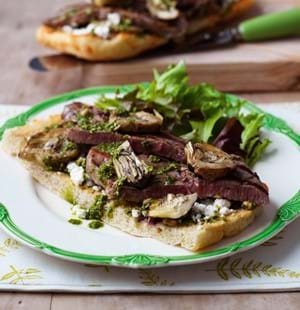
x: 109, y: 147
x: 85, y: 123
x: 95, y: 224
x: 96, y: 211
x: 68, y: 146
x: 106, y: 171
x: 75, y: 221
x: 167, y: 168
x: 81, y: 161
x: 110, y: 211
x: 119, y: 183
x: 170, y: 180
x: 154, y: 159
x: 68, y: 194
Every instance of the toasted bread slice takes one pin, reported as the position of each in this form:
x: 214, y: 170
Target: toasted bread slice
x: 124, y: 45
x: 192, y: 237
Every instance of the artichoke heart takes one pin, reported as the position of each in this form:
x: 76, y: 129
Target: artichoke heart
x: 208, y: 161
x: 127, y: 164
x: 172, y: 206
x: 50, y: 147
x: 138, y: 122
x: 163, y: 9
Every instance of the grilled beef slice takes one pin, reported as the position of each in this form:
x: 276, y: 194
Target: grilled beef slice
x: 141, y: 144
x: 75, y: 109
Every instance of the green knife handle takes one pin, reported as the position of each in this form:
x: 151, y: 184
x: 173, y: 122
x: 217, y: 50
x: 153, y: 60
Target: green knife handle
x: 271, y: 26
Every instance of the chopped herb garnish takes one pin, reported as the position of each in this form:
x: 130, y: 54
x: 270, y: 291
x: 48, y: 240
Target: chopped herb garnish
x: 68, y: 146
x: 124, y: 25
x: 106, y: 171
x: 109, y: 147
x: 119, y: 183
x: 169, y: 180
x: 167, y: 168
x: 96, y: 211
x: 81, y: 161
x: 154, y: 159
x: 84, y: 122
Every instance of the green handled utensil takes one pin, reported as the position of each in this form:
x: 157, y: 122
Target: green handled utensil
x: 271, y: 26
x: 266, y: 27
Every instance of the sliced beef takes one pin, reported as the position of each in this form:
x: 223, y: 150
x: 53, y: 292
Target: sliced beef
x: 183, y: 182
x: 71, y: 112
x: 171, y: 137
x: 232, y: 190
x: 141, y: 144
x: 95, y: 159
x: 81, y: 136
x: 229, y: 189
x: 151, y: 144
x: 244, y: 174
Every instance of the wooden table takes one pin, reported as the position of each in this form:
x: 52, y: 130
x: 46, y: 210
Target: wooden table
x: 19, y: 85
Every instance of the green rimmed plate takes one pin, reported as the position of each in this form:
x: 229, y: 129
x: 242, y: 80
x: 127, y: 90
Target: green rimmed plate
x: 38, y: 218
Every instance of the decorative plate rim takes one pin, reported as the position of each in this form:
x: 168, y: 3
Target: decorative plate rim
x: 285, y: 214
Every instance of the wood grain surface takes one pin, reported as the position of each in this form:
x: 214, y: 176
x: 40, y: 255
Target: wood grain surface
x: 20, y: 85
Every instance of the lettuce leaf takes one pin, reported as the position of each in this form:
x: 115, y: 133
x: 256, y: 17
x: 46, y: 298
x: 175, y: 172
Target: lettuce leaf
x: 195, y: 112
x: 252, y: 144
x: 165, y: 91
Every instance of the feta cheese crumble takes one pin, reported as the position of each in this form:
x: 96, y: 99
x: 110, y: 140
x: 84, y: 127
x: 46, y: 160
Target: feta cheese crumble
x: 210, y: 209
x: 76, y: 173
x: 79, y: 212
x: 114, y: 19
x: 135, y: 213
x: 101, y: 29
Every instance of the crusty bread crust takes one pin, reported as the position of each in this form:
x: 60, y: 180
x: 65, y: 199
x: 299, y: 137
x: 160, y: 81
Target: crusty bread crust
x: 192, y: 237
x: 123, y: 45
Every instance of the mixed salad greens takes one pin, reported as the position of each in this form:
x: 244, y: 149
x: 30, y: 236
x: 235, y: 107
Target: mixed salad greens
x: 197, y: 113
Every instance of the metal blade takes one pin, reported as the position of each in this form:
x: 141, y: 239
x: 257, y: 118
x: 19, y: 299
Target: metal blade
x: 54, y: 62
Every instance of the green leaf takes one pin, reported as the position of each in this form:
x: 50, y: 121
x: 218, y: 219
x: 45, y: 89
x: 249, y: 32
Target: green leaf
x: 165, y: 90
x: 257, y: 152
x: 105, y: 103
x: 251, y: 142
x: 202, y: 130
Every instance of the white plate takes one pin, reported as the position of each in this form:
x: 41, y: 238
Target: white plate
x: 39, y: 219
